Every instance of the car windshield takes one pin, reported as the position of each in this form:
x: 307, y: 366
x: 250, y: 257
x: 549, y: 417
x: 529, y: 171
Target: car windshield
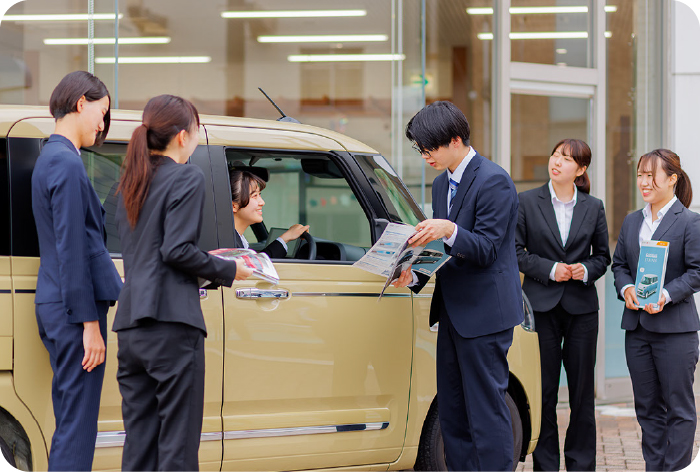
x: 647, y: 279
x: 399, y: 202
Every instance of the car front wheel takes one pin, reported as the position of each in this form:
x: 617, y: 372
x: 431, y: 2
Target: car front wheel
x: 431, y: 450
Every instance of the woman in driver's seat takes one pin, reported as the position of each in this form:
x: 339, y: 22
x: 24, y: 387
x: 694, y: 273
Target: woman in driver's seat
x: 247, y: 209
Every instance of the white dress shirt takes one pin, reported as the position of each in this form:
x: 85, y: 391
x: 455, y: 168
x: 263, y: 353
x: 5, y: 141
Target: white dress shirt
x: 564, y: 212
x: 456, y: 176
x: 646, y: 232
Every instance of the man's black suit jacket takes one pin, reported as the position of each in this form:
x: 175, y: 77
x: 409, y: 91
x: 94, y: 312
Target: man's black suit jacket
x: 538, y: 245
x: 161, y: 259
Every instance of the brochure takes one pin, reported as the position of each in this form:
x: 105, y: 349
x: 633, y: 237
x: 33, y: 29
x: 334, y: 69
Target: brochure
x: 392, y: 254
x: 651, y: 271
x: 259, y: 262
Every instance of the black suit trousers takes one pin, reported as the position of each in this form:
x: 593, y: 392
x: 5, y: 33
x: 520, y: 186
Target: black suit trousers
x: 161, y: 379
x: 662, y: 368
x: 570, y: 339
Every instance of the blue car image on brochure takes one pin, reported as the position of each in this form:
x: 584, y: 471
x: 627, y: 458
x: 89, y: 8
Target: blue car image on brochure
x: 648, y: 285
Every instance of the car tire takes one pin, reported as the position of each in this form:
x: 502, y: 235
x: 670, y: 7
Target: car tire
x: 431, y: 449
x: 7, y: 453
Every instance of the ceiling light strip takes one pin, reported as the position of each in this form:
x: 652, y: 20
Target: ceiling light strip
x: 336, y: 38
x: 539, y: 10
x: 156, y: 60
x: 544, y: 35
x: 294, y: 14
x: 345, y: 57
x: 83, y: 41
x: 61, y: 17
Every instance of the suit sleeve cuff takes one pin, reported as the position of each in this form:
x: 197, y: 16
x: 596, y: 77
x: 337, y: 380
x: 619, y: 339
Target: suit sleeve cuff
x: 283, y: 244
x: 451, y: 240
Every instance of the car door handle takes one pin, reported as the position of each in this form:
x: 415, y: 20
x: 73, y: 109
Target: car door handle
x: 256, y: 293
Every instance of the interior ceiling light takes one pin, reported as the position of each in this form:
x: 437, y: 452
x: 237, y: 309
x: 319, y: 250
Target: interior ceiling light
x: 544, y: 35
x: 561, y: 51
x: 61, y: 17
x: 84, y: 41
x: 293, y: 14
x: 336, y: 38
x: 155, y: 60
x: 539, y: 10
x: 345, y: 57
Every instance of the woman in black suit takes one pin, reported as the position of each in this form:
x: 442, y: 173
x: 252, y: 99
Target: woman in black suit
x: 159, y: 322
x: 661, y: 341
x: 562, y: 246
x: 247, y: 202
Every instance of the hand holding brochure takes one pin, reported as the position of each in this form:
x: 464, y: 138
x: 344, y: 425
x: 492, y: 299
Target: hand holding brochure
x: 259, y: 262
x: 392, y: 254
x: 651, y: 271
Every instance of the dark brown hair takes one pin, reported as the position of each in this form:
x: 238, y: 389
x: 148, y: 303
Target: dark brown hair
x: 241, y: 181
x: 163, y: 118
x: 671, y: 164
x: 64, y: 98
x: 581, y: 154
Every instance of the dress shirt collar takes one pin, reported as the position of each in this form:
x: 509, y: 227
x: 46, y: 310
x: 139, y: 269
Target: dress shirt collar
x: 553, y: 194
x: 459, y: 171
x: 64, y: 140
x: 646, y: 211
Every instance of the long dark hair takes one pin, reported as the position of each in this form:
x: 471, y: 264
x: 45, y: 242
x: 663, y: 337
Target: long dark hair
x: 64, y: 98
x: 163, y: 118
x: 581, y: 154
x: 671, y: 164
x: 241, y: 181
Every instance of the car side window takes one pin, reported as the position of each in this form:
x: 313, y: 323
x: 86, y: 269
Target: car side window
x: 4, y: 201
x: 103, y: 166
x: 309, y: 189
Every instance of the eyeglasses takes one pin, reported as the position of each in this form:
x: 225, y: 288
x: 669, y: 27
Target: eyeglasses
x: 419, y: 151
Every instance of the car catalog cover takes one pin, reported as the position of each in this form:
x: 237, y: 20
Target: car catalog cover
x: 651, y: 271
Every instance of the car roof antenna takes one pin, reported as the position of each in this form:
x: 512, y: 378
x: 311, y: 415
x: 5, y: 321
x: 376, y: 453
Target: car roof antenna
x: 284, y: 117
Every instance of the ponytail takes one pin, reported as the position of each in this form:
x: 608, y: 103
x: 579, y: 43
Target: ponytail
x: 684, y: 191
x: 670, y: 164
x: 163, y: 118
x: 583, y: 183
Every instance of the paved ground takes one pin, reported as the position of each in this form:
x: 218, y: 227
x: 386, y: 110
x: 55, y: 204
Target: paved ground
x: 619, y: 438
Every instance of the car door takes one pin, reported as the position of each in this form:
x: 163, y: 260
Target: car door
x: 33, y: 373
x: 320, y: 376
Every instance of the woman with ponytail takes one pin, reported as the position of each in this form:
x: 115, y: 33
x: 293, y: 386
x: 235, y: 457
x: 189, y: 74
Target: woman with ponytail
x: 159, y: 322
x: 661, y: 340
x: 562, y: 245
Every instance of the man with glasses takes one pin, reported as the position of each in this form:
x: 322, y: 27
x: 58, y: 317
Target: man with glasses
x: 477, y: 296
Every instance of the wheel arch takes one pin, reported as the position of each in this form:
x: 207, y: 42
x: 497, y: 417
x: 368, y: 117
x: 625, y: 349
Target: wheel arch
x: 14, y: 434
x: 517, y: 393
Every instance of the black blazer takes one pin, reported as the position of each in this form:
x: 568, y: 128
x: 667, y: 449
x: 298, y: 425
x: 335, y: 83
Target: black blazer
x: 274, y: 250
x: 681, y: 228
x: 161, y: 257
x: 538, y: 244
x: 479, y: 286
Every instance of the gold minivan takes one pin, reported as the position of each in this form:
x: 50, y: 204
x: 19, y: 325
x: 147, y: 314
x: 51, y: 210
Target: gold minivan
x: 314, y: 373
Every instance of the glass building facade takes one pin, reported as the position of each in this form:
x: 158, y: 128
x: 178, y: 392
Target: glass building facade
x: 526, y: 73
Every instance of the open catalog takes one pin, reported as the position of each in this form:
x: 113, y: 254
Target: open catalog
x: 651, y: 271
x: 259, y: 262
x: 392, y: 254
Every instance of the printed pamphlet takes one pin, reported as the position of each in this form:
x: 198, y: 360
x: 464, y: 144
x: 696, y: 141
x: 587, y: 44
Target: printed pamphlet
x: 392, y: 254
x: 651, y: 271
x: 260, y: 263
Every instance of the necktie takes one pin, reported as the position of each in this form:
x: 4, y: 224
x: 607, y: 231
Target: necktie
x: 453, y: 191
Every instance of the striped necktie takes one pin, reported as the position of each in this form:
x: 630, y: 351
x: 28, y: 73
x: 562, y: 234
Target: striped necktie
x: 453, y: 191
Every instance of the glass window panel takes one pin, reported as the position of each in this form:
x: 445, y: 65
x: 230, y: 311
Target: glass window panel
x: 35, y: 54
x: 551, y: 32
x: 538, y: 123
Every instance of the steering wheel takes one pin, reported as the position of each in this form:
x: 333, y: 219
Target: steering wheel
x: 311, y: 242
